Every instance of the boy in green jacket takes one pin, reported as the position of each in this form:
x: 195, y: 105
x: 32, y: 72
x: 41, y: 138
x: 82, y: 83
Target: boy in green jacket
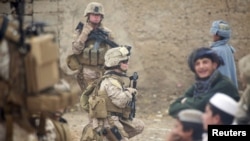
x: 208, y: 81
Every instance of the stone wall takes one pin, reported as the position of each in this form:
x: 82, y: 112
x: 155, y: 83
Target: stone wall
x: 162, y: 32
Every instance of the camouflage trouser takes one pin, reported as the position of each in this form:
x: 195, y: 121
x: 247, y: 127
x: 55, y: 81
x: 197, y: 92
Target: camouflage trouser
x: 88, y: 74
x: 88, y: 134
x: 127, y: 129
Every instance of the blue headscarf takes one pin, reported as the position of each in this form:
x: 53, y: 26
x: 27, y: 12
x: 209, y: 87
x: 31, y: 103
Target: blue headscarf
x: 221, y: 28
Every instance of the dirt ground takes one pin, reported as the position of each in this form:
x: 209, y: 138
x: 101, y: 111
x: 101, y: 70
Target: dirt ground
x: 156, y: 128
x: 157, y: 121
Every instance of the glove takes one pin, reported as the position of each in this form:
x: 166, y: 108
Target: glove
x: 85, y: 32
x: 132, y: 90
x: 78, y: 45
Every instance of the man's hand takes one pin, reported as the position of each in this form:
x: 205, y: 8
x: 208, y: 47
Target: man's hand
x: 85, y: 32
x: 132, y: 90
x: 78, y: 45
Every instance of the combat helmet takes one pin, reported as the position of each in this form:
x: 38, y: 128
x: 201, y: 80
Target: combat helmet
x: 115, y: 55
x: 95, y: 8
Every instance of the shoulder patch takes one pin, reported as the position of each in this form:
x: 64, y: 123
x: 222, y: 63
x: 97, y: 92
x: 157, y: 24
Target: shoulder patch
x: 115, y: 82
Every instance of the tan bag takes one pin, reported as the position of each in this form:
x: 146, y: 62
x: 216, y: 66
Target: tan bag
x: 84, y: 99
x: 97, y: 107
x: 73, y: 62
x: 90, y: 91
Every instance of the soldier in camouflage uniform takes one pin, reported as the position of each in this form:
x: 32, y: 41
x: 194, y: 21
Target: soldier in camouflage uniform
x: 17, y: 122
x: 89, y: 71
x: 243, y: 112
x: 14, y: 126
x: 117, y: 99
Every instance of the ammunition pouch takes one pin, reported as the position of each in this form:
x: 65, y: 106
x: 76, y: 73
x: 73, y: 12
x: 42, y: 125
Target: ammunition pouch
x: 97, y: 107
x: 91, y: 56
x: 84, y: 100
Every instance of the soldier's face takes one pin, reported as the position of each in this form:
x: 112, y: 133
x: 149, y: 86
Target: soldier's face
x: 124, y: 65
x: 204, y: 67
x: 95, y: 18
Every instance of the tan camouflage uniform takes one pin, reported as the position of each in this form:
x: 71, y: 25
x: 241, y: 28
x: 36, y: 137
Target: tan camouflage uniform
x: 89, y: 73
x: 16, y: 126
x: 117, y: 99
x: 121, y: 98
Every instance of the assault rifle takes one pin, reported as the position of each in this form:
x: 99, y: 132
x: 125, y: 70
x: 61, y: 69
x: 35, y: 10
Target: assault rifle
x: 101, y: 37
x: 133, y: 78
x: 97, y: 34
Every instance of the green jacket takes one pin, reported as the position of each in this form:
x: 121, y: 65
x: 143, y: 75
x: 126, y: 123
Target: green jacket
x: 220, y: 84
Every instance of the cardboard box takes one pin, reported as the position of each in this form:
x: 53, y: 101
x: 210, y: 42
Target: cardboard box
x: 42, y: 63
x: 40, y: 77
x: 44, y: 49
x: 46, y: 75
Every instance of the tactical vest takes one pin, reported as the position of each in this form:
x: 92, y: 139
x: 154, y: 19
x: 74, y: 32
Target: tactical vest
x: 93, y: 56
x: 110, y: 108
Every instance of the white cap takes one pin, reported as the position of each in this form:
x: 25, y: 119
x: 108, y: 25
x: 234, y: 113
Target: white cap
x: 190, y: 115
x: 225, y: 103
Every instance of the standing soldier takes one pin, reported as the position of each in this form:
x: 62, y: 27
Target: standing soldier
x: 91, y: 42
x: 23, y: 114
x: 110, y: 103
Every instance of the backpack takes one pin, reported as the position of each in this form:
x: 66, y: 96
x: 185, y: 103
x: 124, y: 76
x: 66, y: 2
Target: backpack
x: 91, y: 102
